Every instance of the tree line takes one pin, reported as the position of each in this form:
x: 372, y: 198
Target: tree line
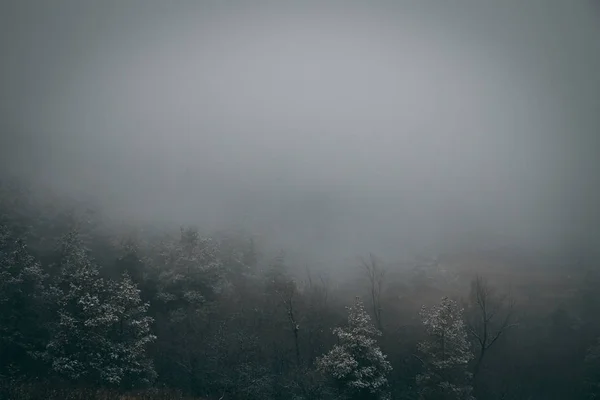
x: 217, y: 316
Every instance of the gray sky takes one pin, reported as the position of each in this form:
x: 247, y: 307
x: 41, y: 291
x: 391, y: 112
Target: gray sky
x: 334, y: 128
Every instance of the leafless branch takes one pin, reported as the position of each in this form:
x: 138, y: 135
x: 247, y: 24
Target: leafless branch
x: 485, y: 327
x: 418, y: 358
x: 376, y: 274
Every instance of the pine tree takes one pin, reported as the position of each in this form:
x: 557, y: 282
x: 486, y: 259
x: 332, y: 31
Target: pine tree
x: 357, y: 363
x: 188, y: 282
x: 446, y: 354
x: 102, y: 329
x: 22, y: 292
x: 190, y: 271
x: 130, y: 335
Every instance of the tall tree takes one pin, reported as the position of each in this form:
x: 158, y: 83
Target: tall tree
x: 102, y: 331
x: 282, y: 294
x: 489, y: 316
x: 22, y: 293
x: 376, y: 276
x: 318, y: 314
x: 445, y: 354
x: 357, y: 363
x: 288, y: 293
x: 188, y: 281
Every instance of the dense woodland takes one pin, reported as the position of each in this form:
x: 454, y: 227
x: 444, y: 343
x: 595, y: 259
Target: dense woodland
x: 90, y: 307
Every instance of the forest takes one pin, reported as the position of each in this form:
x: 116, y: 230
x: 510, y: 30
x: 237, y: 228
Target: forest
x: 90, y: 309
x: 299, y: 200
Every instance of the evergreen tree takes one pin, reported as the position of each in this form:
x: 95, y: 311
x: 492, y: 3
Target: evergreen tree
x: 102, y: 329
x: 130, y: 335
x: 446, y: 354
x: 190, y: 271
x: 22, y: 293
x: 357, y: 363
x: 188, y: 283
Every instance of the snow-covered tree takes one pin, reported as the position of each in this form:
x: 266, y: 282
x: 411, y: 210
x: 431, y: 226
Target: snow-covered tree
x: 189, y: 279
x: 22, y: 292
x: 102, y: 328
x: 357, y: 363
x: 190, y: 270
x: 446, y: 354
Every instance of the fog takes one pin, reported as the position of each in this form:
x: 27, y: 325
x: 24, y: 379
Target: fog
x: 331, y: 129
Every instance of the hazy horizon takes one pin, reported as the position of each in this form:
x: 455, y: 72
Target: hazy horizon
x: 331, y: 129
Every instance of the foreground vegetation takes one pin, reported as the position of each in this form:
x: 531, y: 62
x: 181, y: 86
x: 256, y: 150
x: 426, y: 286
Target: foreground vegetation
x: 27, y: 391
x: 89, y: 310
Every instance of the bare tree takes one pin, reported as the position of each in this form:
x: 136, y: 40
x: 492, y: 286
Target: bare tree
x: 287, y: 290
x: 318, y: 290
x: 316, y: 321
x: 376, y: 275
x: 288, y: 299
x: 490, y: 316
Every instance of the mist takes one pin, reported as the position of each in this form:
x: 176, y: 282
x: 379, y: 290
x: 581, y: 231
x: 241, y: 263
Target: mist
x: 331, y: 129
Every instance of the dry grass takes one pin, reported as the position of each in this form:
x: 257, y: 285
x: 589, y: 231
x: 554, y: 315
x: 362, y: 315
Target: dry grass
x: 46, y: 392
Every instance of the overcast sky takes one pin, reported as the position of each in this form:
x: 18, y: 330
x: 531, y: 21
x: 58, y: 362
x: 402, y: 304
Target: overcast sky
x: 334, y: 128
